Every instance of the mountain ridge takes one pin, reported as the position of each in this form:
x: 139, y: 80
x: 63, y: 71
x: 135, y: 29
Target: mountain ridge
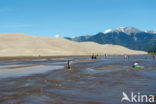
x: 129, y: 37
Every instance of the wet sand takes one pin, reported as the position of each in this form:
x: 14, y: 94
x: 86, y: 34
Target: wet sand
x: 23, y: 66
x: 88, y: 82
x: 107, y: 67
x: 29, y: 58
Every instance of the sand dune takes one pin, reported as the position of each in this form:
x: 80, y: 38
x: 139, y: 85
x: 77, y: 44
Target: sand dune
x: 26, y: 45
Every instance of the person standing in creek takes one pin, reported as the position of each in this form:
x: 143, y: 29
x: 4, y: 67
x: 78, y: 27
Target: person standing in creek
x: 69, y: 64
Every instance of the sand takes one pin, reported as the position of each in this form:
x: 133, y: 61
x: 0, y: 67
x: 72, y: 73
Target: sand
x: 17, y: 44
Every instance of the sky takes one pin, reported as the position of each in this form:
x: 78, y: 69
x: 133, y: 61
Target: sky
x: 70, y: 18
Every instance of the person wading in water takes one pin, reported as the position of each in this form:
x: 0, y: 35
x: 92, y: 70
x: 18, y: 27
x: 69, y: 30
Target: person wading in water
x: 92, y: 56
x: 105, y: 56
x: 69, y: 64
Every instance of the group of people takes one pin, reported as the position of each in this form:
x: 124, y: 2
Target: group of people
x: 135, y: 64
x: 126, y: 57
x: 94, y: 57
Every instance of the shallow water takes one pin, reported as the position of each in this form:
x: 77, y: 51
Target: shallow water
x: 18, y: 72
x: 83, y: 84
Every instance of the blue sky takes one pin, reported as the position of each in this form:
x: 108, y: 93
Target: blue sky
x: 69, y: 18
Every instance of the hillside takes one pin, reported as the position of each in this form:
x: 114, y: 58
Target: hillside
x: 26, y: 45
x: 125, y: 36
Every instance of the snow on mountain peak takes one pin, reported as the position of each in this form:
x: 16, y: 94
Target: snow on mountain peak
x: 121, y: 29
x: 127, y: 30
x: 150, y: 31
x: 107, y: 31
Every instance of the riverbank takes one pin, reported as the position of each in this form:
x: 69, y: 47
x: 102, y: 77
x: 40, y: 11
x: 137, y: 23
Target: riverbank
x: 25, y: 58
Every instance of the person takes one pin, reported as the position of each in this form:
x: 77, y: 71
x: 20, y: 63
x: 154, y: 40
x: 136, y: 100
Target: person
x: 105, y: 56
x: 69, y: 64
x: 136, y: 65
x: 92, y: 56
x: 128, y: 56
x: 154, y: 56
x: 95, y: 57
x: 125, y: 57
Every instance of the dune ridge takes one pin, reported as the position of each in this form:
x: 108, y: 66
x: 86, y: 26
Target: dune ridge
x: 18, y: 44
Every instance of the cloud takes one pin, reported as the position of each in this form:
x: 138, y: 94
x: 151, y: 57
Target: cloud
x: 57, y: 35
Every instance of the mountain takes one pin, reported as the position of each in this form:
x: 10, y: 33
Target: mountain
x: 79, y: 39
x: 26, y: 45
x: 126, y: 30
x: 129, y: 37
